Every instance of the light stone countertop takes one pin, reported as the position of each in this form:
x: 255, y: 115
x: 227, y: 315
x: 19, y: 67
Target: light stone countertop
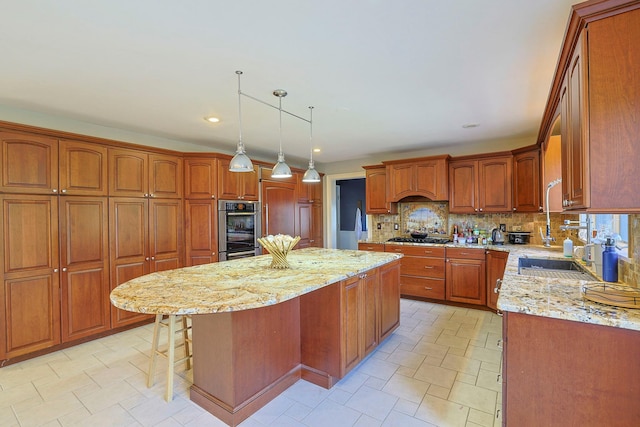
x: 549, y: 297
x: 242, y: 284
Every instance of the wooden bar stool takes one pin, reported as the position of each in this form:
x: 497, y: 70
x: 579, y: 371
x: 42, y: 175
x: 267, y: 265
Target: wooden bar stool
x: 171, y: 324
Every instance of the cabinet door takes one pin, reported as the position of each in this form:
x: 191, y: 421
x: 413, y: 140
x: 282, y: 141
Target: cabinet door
x: 465, y: 281
x: 83, y: 169
x: 351, y: 332
x: 496, y: 264
x: 30, y: 297
x: 279, y: 208
x: 304, y: 227
x: 165, y: 234
x: 389, y: 307
x: 431, y: 179
x: 84, y: 259
x: 128, y: 228
x: 201, y: 230
x: 128, y: 173
x: 376, y: 192
x: 237, y: 185
x: 250, y: 185
x: 200, y: 178
x: 317, y: 227
x: 494, y: 184
x: 526, y: 182
x: 29, y: 163
x: 463, y: 187
x: 165, y: 176
x: 401, y: 181
x: 370, y: 311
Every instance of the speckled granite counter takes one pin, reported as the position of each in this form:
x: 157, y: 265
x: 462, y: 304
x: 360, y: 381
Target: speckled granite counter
x: 556, y: 298
x: 242, y: 284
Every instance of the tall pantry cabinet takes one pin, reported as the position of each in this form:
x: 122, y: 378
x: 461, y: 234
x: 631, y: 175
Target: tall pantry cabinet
x: 54, y: 242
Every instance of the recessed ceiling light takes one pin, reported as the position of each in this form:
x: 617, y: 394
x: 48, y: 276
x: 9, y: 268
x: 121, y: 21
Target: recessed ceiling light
x: 470, y: 125
x: 316, y: 150
x: 212, y: 119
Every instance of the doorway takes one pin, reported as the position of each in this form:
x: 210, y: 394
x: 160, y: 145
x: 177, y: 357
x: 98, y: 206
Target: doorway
x: 332, y: 210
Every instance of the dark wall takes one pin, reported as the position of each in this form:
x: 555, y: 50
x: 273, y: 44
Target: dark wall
x: 352, y: 196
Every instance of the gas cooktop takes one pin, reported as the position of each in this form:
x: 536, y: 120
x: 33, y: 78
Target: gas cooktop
x: 440, y: 240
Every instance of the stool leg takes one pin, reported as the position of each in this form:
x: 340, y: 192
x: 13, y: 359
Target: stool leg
x: 154, y: 350
x: 171, y: 355
x: 185, y: 336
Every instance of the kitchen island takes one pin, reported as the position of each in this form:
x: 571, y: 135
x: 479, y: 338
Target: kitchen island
x: 257, y: 330
x: 566, y: 360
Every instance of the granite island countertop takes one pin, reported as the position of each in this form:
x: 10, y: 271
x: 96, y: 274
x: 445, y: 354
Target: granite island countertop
x: 242, y: 284
x: 548, y: 297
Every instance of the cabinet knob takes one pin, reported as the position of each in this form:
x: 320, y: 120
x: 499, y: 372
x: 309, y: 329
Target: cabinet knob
x: 55, y: 190
x: 55, y: 270
x: 514, y: 209
x: 480, y: 209
x: 153, y: 258
x: 146, y: 259
x: 428, y: 266
x: 64, y: 269
x: 428, y: 288
x: 213, y: 253
x: 146, y: 195
x: 152, y: 195
x: 213, y: 196
x: 63, y: 190
x: 476, y: 209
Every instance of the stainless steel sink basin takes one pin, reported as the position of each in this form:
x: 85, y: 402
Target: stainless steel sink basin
x: 556, y: 268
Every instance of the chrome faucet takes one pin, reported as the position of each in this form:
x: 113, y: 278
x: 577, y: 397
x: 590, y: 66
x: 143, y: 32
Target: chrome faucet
x: 548, y: 239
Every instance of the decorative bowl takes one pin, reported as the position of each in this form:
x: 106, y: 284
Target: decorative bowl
x: 279, y: 246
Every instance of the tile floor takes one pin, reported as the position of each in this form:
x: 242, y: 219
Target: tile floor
x: 440, y: 368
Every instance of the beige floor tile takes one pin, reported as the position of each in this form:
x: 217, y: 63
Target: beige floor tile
x: 405, y: 358
x: 48, y: 411
x: 480, y: 418
x: 461, y: 364
x: 436, y: 375
x: 406, y: 407
x: 484, y: 354
x: 49, y: 388
x: 7, y: 417
x: 439, y: 391
x: 329, y: 413
x: 103, y: 398
x: 19, y: 394
x: 489, y: 380
x: 472, y: 396
x: 466, y: 378
x: 431, y: 349
x: 441, y: 412
x: 408, y: 389
x: 374, y: 403
x: 378, y: 368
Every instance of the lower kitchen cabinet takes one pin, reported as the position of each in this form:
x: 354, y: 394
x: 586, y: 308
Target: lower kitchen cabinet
x: 563, y: 373
x: 422, y: 271
x: 465, y: 273
x: 369, y: 312
x: 496, y: 264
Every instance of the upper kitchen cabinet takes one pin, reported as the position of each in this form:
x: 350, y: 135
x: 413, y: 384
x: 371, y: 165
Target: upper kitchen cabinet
x: 477, y: 186
x: 376, y: 191
x: 526, y: 180
x: 200, y: 178
x: 308, y: 192
x: 423, y: 177
x: 29, y: 163
x: 134, y: 173
x: 83, y: 169
x: 596, y: 88
x: 237, y: 185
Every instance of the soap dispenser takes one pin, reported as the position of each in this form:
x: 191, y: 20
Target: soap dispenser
x: 567, y: 247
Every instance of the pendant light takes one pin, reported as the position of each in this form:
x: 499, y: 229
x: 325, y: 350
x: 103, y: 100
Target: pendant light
x: 280, y: 169
x: 311, y: 175
x: 240, y: 162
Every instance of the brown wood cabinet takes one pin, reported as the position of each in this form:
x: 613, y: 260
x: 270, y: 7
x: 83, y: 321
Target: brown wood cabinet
x: 425, y: 176
x: 146, y: 236
x: 279, y: 214
x: 477, y: 186
x: 496, y: 264
x: 376, y: 191
x: 466, y: 276
x: 526, y: 180
x: 237, y: 185
x: 201, y: 231
x: 30, y: 297
x: 84, y: 266
x: 200, y: 178
x: 29, y: 163
x: 594, y: 88
x: 82, y: 169
x: 375, y: 247
x: 369, y: 310
x: 308, y: 192
x: 135, y: 173
x: 422, y: 270
x: 560, y: 372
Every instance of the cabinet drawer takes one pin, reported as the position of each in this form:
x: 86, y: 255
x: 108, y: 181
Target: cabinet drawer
x: 422, y: 287
x: 465, y: 253
x: 423, y: 267
x: 428, y: 251
x: 377, y: 247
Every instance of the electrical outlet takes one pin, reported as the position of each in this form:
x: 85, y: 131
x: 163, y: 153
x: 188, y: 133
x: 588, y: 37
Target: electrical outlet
x: 379, y: 226
x: 396, y: 226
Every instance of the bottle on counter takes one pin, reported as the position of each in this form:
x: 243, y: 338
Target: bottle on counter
x: 610, y: 261
x: 567, y: 247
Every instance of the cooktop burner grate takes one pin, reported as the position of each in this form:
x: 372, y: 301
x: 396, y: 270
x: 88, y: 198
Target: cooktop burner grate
x: 440, y: 240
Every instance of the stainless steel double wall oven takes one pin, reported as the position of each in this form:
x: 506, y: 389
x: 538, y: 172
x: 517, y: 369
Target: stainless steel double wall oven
x: 239, y: 227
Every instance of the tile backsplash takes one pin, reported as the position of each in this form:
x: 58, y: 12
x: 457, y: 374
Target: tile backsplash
x: 434, y: 216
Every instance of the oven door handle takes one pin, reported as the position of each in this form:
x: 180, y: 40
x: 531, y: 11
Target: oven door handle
x: 266, y: 219
x: 241, y: 213
x: 241, y: 254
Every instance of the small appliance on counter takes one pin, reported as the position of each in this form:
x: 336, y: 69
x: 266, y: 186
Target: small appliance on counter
x: 497, y: 237
x: 519, y: 237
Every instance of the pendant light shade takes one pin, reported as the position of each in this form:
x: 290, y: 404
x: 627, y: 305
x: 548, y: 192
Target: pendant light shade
x: 280, y: 169
x: 311, y: 175
x: 240, y: 162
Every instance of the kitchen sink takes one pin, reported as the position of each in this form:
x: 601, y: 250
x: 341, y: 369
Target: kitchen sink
x: 555, y: 268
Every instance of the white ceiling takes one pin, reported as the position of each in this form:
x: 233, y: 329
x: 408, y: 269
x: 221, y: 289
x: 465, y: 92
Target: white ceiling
x: 385, y: 77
